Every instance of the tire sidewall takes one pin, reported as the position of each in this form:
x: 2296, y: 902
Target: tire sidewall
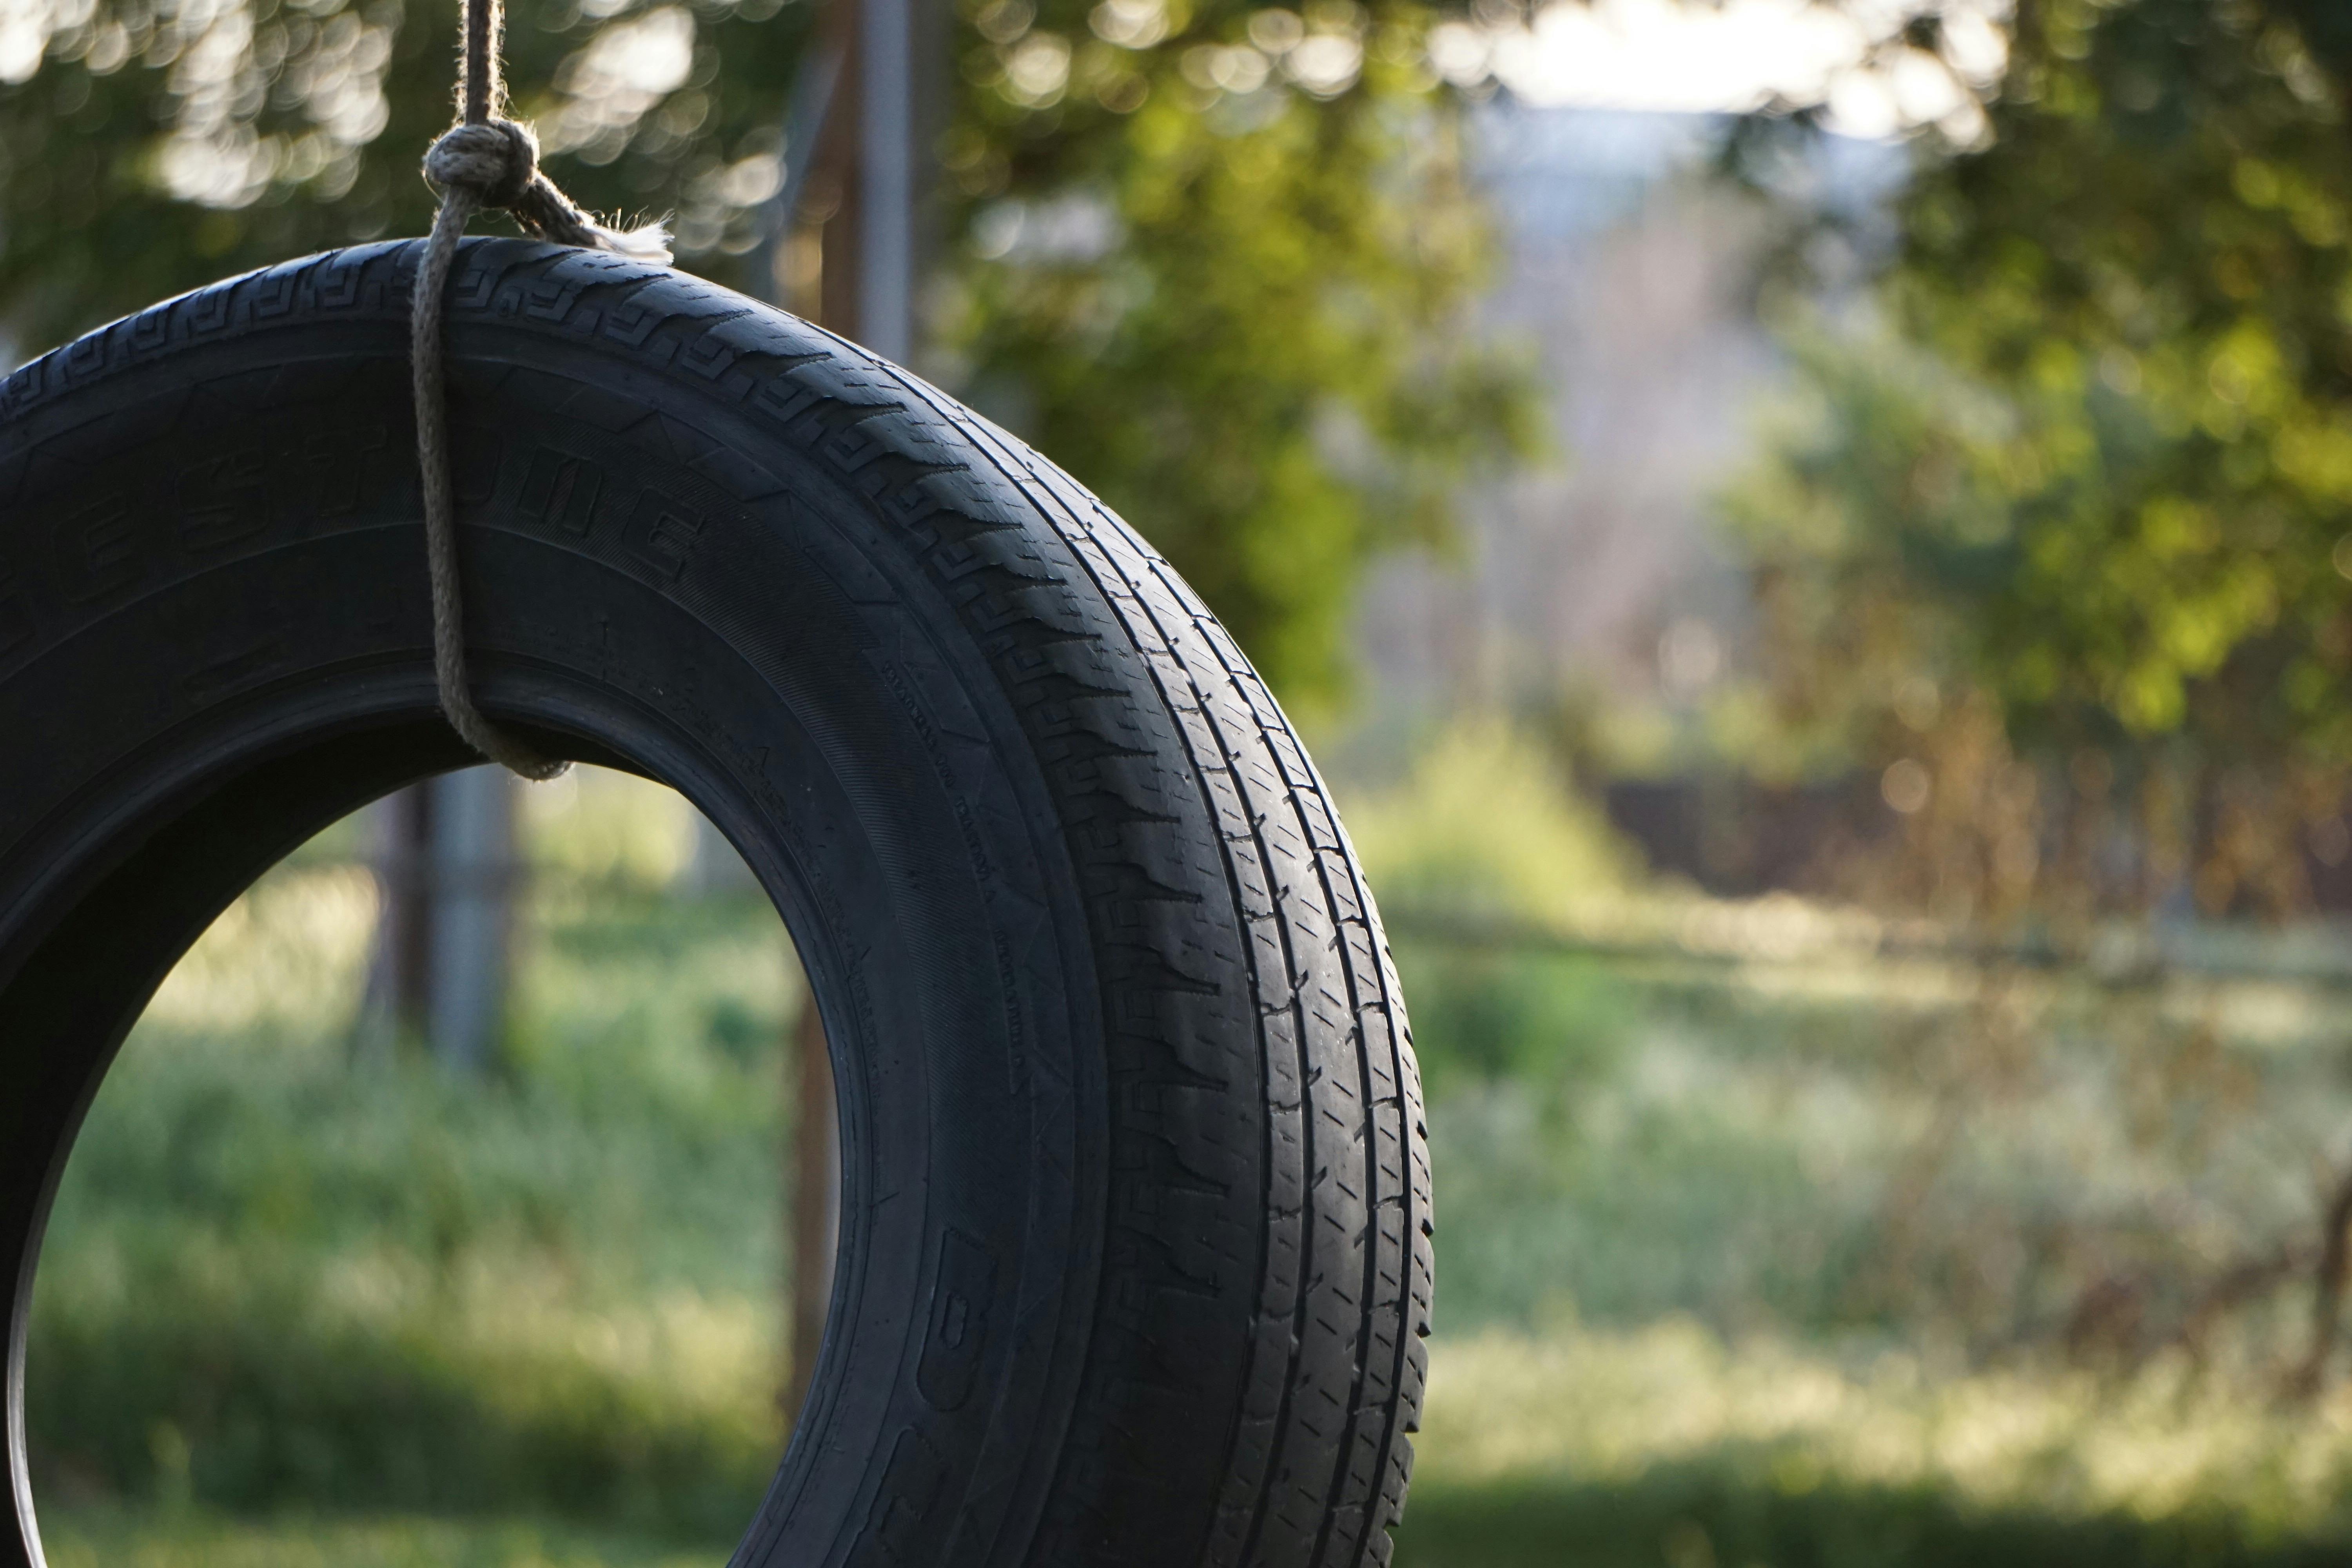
x: 218, y: 566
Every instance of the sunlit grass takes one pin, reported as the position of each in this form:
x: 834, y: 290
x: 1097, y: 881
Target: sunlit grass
x: 1605, y: 1408
x: 1668, y: 1447
x: 290, y: 956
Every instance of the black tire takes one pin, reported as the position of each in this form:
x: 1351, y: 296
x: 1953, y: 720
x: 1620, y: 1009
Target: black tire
x: 1135, y: 1261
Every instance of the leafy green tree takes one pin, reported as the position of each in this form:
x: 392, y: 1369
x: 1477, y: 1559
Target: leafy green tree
x: 2094, y: 459
x: 1256, y: 350
x: 1271, y: 301
x: 149, y: 146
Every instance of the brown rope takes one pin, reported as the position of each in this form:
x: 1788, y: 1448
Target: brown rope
x: 483, y: 161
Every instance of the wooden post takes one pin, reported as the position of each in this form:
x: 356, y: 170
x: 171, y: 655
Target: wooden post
x: 856, y: 183
x: 815, y: 1209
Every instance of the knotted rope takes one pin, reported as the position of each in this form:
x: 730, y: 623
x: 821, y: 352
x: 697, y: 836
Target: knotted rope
x: 484, y: 161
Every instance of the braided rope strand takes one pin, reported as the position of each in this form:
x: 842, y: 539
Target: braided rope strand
x: 482, y: 160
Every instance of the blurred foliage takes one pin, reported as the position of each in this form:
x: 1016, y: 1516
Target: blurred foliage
x: 2055, y: 539
x: 623, y: 836
x: 1484, y: 822
x: 2089, y: 457
x: 1546, y: 1025
x: 152, y: 145
x: 1222, y: 274
x: 1214, y: 259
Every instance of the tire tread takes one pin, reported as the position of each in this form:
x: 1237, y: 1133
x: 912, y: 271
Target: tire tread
x: 1285, y: 1126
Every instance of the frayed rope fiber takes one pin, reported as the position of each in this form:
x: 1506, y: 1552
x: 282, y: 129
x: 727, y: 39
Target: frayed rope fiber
x: 484, y: 161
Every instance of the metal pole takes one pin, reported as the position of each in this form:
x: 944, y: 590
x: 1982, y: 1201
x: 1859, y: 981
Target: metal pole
x: 885, y: 291
x: 473, y: 871
x: 445, y: 863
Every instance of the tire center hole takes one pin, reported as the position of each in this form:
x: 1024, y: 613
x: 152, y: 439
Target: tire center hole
x: 468, y: 1191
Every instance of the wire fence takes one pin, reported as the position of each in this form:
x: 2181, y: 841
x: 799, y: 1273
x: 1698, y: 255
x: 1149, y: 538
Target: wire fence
x: 1785, y: 931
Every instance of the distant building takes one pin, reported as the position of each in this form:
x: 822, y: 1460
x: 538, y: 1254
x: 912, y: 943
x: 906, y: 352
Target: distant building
x: 1630, y: 273
x: 1601, y: 577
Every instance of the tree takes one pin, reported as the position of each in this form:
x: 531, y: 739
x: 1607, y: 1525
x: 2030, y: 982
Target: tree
x: 2092, y: 461
x: 152, y: 145
x: 1260, y: 359
x: 1219, y: 260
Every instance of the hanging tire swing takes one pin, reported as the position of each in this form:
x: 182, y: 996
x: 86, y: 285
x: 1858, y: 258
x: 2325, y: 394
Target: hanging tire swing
x: 1134, y: 1261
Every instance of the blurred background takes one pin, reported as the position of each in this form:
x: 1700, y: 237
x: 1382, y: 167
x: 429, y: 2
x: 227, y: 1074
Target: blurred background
x: 1812, y: 537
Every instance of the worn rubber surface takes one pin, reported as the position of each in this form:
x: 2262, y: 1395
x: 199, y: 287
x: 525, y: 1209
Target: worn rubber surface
x: 1135, y: 1260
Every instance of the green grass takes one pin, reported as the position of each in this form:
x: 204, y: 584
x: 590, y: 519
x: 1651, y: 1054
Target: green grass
x: 1773, y: 1271
x: 1666, y: 1448
x: 1954, y: 1161
x: 1703, y: 1516
x: 1607, y: 1409
x: 289, y: 1266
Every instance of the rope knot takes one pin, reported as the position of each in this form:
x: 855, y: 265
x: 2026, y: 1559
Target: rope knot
x: 494, y: 162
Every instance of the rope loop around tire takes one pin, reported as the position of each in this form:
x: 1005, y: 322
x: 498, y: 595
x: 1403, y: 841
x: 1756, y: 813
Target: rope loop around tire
x: 484, y: 161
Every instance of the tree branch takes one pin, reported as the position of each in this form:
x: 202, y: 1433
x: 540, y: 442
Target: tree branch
x: 2327, y: 1298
